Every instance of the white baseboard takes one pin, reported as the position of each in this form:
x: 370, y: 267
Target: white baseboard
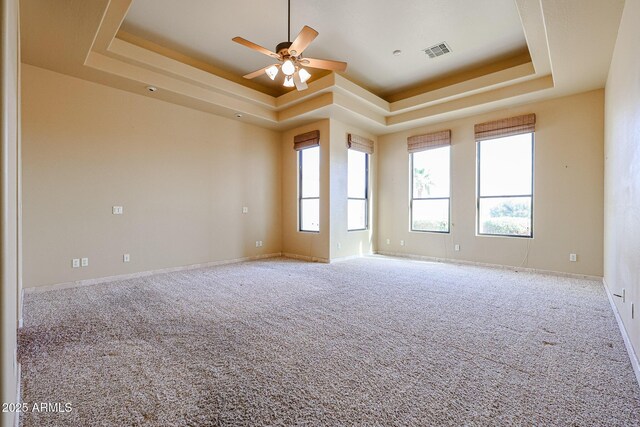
x: 484, y: 264
x: 305, y: 257
x: 18, y: 394
x: 21, y: 319
x: 100, y: 280
x: 625, y: 337
x: 348, y: 257
x: 21, y: 311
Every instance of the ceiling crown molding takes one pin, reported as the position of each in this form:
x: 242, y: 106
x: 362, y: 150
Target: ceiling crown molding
x: 129, y: 63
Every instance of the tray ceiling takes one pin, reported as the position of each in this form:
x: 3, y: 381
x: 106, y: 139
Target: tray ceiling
x: 490, y: 66
x: 363, y: 33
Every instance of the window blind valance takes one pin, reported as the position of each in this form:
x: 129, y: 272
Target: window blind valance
x: 359, y: 143
x: 306, y: 140
x: 505, y: 127
x: 429, y: 141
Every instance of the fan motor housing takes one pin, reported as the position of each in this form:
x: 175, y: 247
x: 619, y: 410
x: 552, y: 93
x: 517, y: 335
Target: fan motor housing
x: 283, y: 46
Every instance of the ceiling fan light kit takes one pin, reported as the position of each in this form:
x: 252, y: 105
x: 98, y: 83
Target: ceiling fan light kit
x: 272, y: 71
x: 304, y: 74
x: 290, y: 56
x: 288, y: 81
x: 288, y: 68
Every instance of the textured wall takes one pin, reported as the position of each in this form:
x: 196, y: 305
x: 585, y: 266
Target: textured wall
x: 568, y: 191
x: 323, y: 246
x: 182, y: 176
x: 350, y: 242
x: 307, y: 244
x: 622, y: 172
x: 9, y: 199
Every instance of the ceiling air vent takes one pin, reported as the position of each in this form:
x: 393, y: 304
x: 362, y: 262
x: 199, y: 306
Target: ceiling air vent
x: 437, y: 50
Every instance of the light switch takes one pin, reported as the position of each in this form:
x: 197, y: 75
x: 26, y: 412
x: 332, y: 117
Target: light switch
x: 126, y: 258
x: 75, y: 263
x: 245, y: 210
x: 85, y: 262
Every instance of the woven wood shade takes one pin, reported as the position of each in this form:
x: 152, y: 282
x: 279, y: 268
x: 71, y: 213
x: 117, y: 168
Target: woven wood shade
x: 505, y: 127
x: 429, y: 141
x: 306, y: 140
x: 360, y: 143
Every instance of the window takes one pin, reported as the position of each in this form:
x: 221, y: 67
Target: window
x: 358, y: 189
x: 430, y: 190
x: 505, y: 186
x: 309, y: 189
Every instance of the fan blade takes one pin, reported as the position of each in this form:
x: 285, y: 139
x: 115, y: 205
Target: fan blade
x: 256, y: 73
x: 300, y: 85
x: 324, y: 64
x: 255, y: 47
x: 304, y: 38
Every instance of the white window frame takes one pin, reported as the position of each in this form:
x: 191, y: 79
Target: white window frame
x: 365, y: 199
x: 428, y: 198
x: 300, y: 198
x: 479, y: 196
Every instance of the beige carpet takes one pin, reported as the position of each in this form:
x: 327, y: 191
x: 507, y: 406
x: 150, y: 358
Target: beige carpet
x: 371, y: 341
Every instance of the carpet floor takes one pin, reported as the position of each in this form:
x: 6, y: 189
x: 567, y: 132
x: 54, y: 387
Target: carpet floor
x: 368, y: 341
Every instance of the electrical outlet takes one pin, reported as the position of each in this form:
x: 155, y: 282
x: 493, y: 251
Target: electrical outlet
x: 75, y: 263
x: 84, y: 262
x: 573, y: 257
x: 117, y: 210
x: 339, y: 245
x: 456, y: 247
x: 126, y: 258
x: 401, y: 242
x: 260, y: 243
x: 388, y: 241
x: 245, y: 210
x: 257, y: 243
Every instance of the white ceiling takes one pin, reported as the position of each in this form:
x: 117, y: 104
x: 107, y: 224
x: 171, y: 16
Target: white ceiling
x: 76, y: 37
x: 363, y: 33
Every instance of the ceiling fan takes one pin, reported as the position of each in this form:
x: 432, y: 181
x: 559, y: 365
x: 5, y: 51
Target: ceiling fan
x: 289, y: 55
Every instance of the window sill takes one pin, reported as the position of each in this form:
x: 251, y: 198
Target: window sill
x: 504, y: 235
x: 429, y: 231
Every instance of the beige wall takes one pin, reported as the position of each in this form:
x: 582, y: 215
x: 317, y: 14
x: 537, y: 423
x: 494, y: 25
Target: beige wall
x: 323, y: 246
x: 182, y: 176
x: 309, y: 245
x: 348, y: 243
x: 622, y: 172
x: 568, y: 195
x: 9, y: 198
